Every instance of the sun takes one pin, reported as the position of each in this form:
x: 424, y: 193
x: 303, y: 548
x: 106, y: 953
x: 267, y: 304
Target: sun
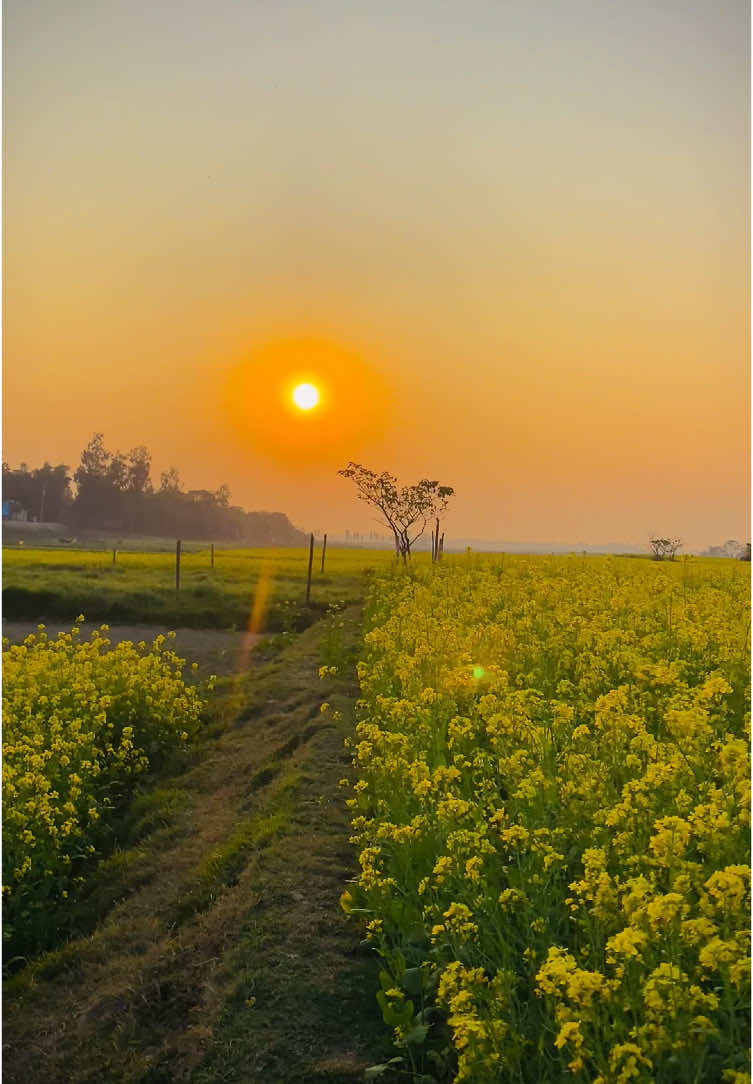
x: 305, y: 396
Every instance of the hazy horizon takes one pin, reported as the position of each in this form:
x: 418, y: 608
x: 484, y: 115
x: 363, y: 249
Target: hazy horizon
x: 510, y: 243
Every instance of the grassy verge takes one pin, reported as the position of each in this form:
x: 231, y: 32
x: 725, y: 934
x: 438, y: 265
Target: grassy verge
x: 267, y: 587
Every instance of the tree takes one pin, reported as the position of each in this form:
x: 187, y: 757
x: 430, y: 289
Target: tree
x: 664, y: 549
x: 731, y: 548
x: 97, y: 499
x: 139, y: 466
x: 94, y: 458
x: 170, y: 481
x: 407, y: 510
x: 117, y: 472
x: 115, y: 494
x: 55, y: 498
x: 45, y: 492
x: 111, y: 486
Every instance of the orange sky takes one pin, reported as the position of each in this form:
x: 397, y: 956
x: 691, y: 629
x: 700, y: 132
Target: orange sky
x: 510, y: 240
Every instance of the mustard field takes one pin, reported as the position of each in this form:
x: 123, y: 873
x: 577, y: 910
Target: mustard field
x: 552, y: 810
x: 81, y: 722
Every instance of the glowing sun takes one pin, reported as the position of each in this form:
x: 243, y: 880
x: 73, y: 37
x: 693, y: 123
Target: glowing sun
x: 305, y: 396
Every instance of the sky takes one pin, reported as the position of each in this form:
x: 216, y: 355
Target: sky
x: 509, y: 241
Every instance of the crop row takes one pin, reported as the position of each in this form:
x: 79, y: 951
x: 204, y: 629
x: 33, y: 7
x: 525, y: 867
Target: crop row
x: 552, y: 813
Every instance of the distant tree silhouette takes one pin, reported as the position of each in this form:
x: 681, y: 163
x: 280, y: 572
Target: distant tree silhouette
x: 114, y: 492
x: 731, y: 548
x: 139, y: 466
x: 45, y: 492
x: 407, y: 510
x: 169, y: 480
x: 95, y: 489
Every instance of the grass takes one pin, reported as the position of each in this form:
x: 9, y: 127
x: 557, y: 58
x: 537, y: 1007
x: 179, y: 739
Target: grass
x: 264, y: 586
x: 223, y: 865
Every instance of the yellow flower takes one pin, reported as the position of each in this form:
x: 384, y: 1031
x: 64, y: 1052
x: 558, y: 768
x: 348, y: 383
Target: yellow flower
x: 628, y: 942
x: 569, y: 1033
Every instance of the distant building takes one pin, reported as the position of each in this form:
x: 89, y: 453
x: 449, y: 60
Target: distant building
x: 15, y: 511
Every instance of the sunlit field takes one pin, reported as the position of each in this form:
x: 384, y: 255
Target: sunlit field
x: 263, y: 586
x: 552, y: 809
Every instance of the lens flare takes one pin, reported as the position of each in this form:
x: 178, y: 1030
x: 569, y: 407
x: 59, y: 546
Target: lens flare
x: 257, y: 616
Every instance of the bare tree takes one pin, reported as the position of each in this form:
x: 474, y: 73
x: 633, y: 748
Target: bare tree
x: 664, y: 549
x: 407, y: 510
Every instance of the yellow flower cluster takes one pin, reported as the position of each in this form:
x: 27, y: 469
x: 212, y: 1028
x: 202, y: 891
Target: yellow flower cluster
x: 553, y: 811
x: 81, y: 720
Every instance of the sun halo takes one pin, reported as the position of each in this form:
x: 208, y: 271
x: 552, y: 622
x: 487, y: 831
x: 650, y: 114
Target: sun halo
x: 262, y: 417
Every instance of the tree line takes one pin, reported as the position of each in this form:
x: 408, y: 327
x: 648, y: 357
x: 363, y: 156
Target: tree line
x: 114, y: 493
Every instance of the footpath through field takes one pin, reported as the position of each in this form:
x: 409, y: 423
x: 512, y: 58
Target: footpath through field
x: 220, y: 953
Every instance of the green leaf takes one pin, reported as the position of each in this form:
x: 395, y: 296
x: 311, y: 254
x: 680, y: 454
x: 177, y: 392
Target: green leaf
x: 375, y: 1071
x: 417, y: 1034
x: 426, y: 1015
x: 411, y: 980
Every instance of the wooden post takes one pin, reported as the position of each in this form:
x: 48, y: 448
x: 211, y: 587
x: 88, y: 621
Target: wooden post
x: 211, y: 554
x: 311, y: 561
x: 114, y: 551
x: 177, y: 568
x: 324, y: 549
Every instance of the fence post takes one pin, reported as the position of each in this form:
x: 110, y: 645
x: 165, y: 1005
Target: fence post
x: 311, y: 561
x: 324, y: 549
x: 211, y: 554
x: 114, y: 551
x: 177, y: 568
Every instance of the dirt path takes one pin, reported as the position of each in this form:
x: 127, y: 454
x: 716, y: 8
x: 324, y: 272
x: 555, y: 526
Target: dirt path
x: 225, y: 956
